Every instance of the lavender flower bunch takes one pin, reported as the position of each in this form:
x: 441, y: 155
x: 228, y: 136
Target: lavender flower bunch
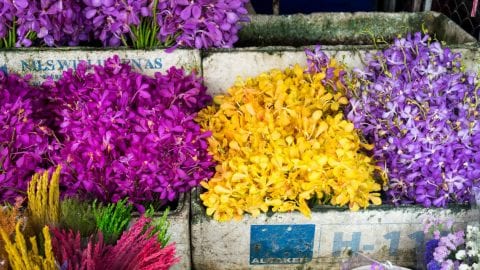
x: 128, y: 135
x: 25, y: 141
x: 418, y: 107
x: 317, y: 60
x: 454, y: 250
x: 200, y: 24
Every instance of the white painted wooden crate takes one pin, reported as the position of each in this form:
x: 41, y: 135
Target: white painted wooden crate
x: 292, y: 241
x: 45, y: 62
x: 326, y: 241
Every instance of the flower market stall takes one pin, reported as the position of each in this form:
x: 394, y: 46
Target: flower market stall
x: 189, y: 135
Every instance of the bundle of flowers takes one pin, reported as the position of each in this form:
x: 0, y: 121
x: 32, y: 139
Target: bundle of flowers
x: 416, y: 105
x: 25, y: 140
x: 281, y: 140
x: 454, y: 250
x: 142, y: 246
x: 125, y: 134
x: 136, y: 249
x: 137, y: 23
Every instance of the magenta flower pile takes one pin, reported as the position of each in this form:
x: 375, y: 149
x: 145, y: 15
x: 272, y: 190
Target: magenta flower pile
x: 420, y: 109
x: 177, y: 23
x: 125, y: 134
x: 25, y: 140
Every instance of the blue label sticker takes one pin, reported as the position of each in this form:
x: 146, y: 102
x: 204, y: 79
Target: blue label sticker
x: 281, y: 244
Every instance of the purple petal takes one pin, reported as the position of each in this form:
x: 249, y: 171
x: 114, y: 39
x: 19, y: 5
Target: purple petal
x: 186, y: 13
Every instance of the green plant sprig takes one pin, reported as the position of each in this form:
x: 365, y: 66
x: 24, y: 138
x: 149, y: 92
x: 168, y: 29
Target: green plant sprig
x: 112, y: 219
x: 160, y: 226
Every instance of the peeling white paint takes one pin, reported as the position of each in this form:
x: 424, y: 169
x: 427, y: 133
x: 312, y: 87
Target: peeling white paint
x: 42, y: 63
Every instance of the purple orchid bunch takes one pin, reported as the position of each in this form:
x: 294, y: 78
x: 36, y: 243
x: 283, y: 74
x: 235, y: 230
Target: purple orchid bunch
x: 317, y: 59
x: 203, y: 23
x: 177, y: 23
x: 111, y: 19
x: 25, y: 140
x: 125, y: 134
x: 136, y: 23
x: 48, y: 22
x: 418, y: 107
x: 60, y: 22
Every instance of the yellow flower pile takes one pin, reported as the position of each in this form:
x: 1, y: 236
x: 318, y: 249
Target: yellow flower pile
x: 280, y: 139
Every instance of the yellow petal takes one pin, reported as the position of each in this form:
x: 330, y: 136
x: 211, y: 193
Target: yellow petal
x: 250, y: 109
x: 349, y: 127
x: 238, y: 176
x: 210, y: 211
x: 221, y: 189
x: 354, y: 207
x: 375, y: 200
x: 304, y: 209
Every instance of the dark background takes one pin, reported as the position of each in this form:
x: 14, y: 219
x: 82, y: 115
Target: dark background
x: 457, y: 10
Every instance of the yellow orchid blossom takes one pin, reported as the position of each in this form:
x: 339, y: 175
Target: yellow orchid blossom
x: 280, y: 140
